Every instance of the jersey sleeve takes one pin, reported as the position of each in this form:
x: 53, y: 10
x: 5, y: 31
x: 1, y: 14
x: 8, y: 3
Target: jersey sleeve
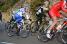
x: 54, y: 11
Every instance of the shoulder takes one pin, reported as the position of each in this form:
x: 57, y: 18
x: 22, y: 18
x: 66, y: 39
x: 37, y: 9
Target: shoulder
x: 57, y: 5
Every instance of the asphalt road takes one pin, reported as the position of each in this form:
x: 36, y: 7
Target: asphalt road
x: 4, y: 39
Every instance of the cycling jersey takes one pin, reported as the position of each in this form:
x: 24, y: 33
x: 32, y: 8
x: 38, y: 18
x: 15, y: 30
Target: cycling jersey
x: 54, y: 11
x: 18, y: 16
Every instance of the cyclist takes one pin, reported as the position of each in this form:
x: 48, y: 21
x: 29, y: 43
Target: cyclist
x: 40, y: 14
x: 54, y: 13
x: 18, y: 18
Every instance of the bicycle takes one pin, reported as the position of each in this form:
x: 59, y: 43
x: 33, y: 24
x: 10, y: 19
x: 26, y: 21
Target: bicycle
x: 11, y: 29
x: 22, y: 31
x: 34, y: 26
x: 26, y: 29
x: 54, y: 33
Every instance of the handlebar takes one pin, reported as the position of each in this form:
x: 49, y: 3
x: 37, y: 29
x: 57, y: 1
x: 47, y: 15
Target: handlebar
x: 64, y: 19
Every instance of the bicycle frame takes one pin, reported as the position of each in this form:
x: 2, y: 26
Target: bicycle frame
x: 63, y: 24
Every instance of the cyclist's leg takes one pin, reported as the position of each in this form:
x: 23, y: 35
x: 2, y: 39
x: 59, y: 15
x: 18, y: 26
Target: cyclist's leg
x: 54, y: 22
x: 20, y: 24
x: 59, y: 26
x: 18, y: 30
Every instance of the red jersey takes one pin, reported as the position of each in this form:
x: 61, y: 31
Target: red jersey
x: 54, y: 11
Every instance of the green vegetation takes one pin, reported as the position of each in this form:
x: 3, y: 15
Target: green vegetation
x: 7, y: 4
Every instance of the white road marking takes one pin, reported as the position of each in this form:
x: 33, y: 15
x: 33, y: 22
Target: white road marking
x: 7, y: 43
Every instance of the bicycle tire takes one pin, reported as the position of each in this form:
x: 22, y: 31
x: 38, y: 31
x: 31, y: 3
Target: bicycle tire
x: 24, y: 33
x: 42, y: 37
x: 62, y: 38
x: 11, y: 30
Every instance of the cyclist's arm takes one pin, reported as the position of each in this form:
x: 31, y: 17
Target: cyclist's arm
x: 54, y: 11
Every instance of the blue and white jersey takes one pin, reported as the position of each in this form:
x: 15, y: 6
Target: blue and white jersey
x: 22, y: 10
x: 18, y: 16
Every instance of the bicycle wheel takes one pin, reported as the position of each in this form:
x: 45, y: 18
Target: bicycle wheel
x: 62, y: 38
x: 42, y: 34
x: 34, y: 27
x: 24, y: 33
x: 11, y: 30
x: 42, y: 37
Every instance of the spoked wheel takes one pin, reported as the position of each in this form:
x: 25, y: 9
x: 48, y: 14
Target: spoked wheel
x: 62, y: 38
x: 42, y: 35
x: 24, y: 33
x: 42, y: 38
x: 11, y: 30
x: 34, y: 27
x: 10, y: 33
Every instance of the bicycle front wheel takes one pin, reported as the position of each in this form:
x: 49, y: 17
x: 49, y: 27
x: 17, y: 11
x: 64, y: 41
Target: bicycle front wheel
x: 62, y: 37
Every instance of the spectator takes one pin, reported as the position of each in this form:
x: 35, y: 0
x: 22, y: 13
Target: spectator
x: 0, y: 16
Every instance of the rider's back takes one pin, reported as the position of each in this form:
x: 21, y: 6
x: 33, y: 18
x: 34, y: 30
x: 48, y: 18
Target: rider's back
x: 56, y: 8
